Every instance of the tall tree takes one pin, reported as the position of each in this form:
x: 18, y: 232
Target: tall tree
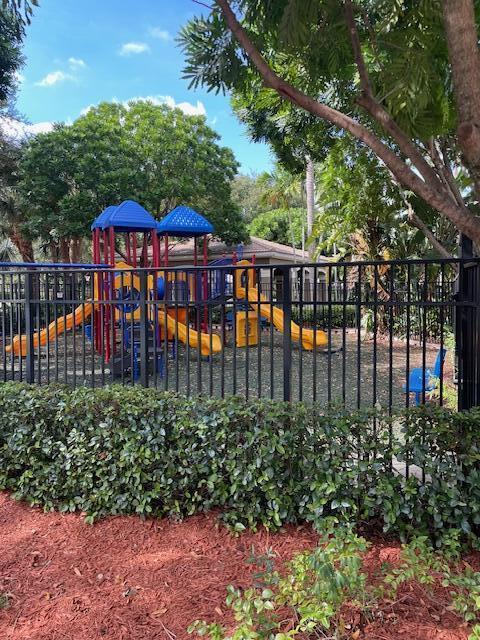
x: 364, y: 213
x: 310, y: 193
x: 280, y: 225
x: 349, y: 66
x: 248, y: 194
x: 12, y: 206
x: 11, y: 57
x: 153, y: 154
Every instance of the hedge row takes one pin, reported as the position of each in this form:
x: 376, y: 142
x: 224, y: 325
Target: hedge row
x: 131, y: 450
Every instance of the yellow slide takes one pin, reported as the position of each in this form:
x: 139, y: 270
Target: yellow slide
x: 210, y: 343
x: 63, y: 323
x: 275, y: 315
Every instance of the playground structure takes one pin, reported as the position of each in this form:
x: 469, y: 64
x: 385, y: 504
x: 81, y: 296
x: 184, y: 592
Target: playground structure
x: 178, y: 302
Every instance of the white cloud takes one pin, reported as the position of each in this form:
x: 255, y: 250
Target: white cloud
x: 187, y: 108
x: 161, y: 34
x: 76, y: 63
x: 133, y: 48
x: 19, y: 77
x: 16, y: 130
x: 85, y: 110
x: 53, y: 78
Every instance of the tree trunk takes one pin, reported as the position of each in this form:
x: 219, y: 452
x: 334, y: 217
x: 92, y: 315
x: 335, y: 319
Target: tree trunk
x: 461, y: 34
x: 76, y: 247
x: 24, y: 246
x: 54, y: 251
x: 310, y: 190
x: 65, y: 250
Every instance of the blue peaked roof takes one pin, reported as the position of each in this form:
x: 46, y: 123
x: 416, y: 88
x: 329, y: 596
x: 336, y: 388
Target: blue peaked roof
x: 102, y: 217
x: 129, y: 216
x: 184, y: 222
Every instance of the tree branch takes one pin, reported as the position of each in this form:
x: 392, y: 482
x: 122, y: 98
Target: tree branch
x: 365, y: 83
x: 414, y: 221
x: 368, y: 101
x: 445, y: 171
x: 435, y: 197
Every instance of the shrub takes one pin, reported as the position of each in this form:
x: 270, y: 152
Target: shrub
x: 325, y: 317
x: 133, y: 450
x: 327, y: 592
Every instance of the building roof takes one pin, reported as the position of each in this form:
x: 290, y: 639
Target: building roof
x: 185, y: 223
x: 257, y: 247
x: 129, y: 216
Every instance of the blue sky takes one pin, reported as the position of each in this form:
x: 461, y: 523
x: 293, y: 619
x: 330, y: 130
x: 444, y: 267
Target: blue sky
x: 80, y: 52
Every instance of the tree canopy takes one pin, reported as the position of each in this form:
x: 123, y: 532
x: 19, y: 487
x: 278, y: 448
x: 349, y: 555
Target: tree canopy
x: 248, y: 194
x: 11, y: 58
x: 12, y: 235
x: 403, y: 78
x: 150, y: 153
x: 280, y: 225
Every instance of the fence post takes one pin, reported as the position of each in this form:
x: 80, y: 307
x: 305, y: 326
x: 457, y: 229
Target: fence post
x: 287, y: 333
x: 143, y: 329
x: 29, y: 328
x: 467, y: 334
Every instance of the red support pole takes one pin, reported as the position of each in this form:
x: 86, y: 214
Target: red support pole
x: 145, y: 251
x: 105, y: 247
x: 205, y: 285
x: 195, y: 273
x: 128, y: 248
x: 96, y: 286
x: 112, y: 289
x: 134, y: 243
x: 165, y: 258
x: 156, y: 249
x: 112, y: 246
x: 105, y: 342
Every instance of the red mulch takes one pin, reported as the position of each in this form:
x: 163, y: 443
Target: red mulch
x: 125, y: 578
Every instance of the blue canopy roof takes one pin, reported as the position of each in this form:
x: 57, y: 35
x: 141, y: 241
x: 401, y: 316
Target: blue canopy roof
x: 184, y: 222
x: 129, y: 216
x: 102, y: 217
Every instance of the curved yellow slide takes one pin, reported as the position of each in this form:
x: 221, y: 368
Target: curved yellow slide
x: 209, y: 343
x: 63, y: 323
x: 275, y: 315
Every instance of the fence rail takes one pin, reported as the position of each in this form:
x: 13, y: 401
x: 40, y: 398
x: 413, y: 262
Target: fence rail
x: 250, y: 330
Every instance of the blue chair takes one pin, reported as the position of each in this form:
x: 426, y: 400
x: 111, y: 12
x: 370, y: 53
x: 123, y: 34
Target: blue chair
x: 417, y: 378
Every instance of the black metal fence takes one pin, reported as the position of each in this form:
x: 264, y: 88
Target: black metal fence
x: 373, y: 333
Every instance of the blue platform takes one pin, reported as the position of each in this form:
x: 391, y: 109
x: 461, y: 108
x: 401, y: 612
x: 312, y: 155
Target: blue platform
x: 184, y: 222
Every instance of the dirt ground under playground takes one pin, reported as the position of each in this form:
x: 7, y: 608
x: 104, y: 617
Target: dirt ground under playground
x: 259, y: 371
x: 128, y: 579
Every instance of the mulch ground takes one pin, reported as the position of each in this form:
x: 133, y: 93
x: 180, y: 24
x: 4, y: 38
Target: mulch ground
x: 125, y: 578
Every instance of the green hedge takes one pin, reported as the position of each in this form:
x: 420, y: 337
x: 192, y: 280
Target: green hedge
x: 133, y: 450
x: 324, y: 317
